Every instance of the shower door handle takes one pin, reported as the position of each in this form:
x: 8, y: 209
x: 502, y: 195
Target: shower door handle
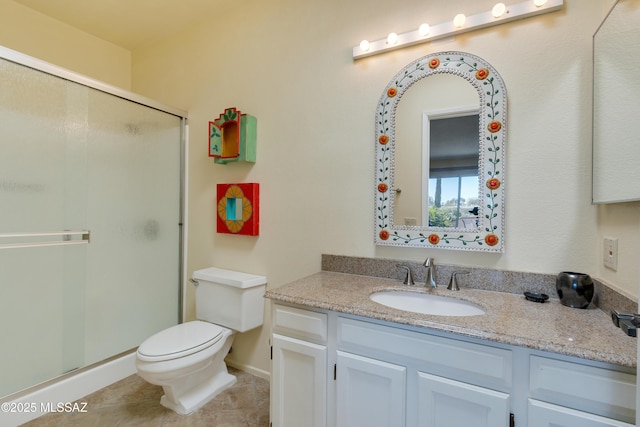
x: 59, y: 238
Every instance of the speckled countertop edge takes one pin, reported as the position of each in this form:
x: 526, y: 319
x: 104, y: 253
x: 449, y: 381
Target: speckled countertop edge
x: 509, y: 318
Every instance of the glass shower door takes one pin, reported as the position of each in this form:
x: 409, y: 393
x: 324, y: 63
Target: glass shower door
x: 42, y: 194
x: 90, y: 233
x: 133, y: 212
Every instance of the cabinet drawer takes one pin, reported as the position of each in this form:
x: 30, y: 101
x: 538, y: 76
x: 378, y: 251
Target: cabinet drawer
x: 596, y: 390
x: 305, y: 324
x: 546, y: 415
x: 469, y: 362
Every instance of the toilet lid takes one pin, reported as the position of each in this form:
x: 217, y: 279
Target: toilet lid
x: 180, y: 340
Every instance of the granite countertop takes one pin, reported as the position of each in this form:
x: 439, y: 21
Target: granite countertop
x: 509, y: 318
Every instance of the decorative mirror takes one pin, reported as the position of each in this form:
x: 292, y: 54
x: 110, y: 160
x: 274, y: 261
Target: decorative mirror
x: 439, y: 179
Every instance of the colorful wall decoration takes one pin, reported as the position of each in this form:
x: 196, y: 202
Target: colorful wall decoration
x: 232, y: 137
x: 238, y: 208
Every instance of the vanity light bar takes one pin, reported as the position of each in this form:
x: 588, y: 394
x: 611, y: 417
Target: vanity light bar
x: 498, y: 15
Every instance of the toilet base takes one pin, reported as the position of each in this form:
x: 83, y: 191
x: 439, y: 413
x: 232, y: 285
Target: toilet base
x: 197, y: 397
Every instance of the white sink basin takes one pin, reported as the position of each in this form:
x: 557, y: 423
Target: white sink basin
x: 417, y: 302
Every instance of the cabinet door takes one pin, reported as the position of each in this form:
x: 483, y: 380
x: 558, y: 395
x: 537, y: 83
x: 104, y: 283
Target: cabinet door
x: 370, y: 393
x: 543, y: 414
x: 299, y: 383
x: 446, y: 403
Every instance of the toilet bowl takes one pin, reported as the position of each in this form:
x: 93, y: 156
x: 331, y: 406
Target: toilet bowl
x: 187, y: 360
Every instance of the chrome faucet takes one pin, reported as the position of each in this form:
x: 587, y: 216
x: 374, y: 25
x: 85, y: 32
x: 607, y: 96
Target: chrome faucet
x: 408, y: 280
x: 430, y: 265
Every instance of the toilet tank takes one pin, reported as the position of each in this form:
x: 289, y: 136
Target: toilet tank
x: 230, y: 298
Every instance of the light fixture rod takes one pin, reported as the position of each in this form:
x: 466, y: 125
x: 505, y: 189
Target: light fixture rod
x: 522, y: 10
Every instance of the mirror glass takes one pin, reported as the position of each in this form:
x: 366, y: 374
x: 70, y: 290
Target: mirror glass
x: 616, y: 105
x: 436, y: 153
x: 440, y: 135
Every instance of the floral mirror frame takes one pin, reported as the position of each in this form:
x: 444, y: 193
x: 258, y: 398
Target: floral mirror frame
x: 489, y: 235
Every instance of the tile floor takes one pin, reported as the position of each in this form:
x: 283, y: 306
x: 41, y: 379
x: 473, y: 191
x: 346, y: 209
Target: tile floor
x: 134, y: 402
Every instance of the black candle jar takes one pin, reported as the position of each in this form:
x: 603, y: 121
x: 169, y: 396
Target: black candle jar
x: 574, y: 289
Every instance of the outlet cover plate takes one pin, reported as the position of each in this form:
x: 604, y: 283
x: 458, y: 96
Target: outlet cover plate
x: 610, y: 253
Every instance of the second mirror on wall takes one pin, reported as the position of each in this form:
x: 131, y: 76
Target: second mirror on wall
x: 616, y: 105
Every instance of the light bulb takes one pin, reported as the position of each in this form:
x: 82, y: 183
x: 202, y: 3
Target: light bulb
x: 498, y: 10
x: 424, y: 29
x: 459, y: 20
x: 364, y: 45
x: 392, y: 38
x: 539, y: 3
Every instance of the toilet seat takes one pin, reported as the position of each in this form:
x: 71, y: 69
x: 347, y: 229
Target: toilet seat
x: 180, y: 341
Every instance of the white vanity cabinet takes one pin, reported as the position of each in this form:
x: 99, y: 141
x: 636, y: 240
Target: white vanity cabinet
x: 299, y: 368
x: 331, y: 369
x: 423, y: 380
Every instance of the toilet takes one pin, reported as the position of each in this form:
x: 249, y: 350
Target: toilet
x: 187, y: 360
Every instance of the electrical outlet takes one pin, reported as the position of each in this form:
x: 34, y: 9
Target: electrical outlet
x: 610, y: 253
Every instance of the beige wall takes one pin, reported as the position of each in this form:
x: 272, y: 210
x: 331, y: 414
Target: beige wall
x: 289, y: 64
x: 621, y: 221
x: 34, y: 34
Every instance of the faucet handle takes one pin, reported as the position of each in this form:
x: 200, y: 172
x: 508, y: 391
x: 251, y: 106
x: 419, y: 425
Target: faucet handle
x: 408, y: 280
x: 453, y: 283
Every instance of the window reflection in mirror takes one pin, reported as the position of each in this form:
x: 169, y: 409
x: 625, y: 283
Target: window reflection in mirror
x: 453, y: 171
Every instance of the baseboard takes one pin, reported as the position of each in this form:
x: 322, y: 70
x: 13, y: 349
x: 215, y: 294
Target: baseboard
x: 248, y: 368
x: 69, y: 389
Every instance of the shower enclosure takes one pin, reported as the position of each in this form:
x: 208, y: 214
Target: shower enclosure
x: 90, y: 221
